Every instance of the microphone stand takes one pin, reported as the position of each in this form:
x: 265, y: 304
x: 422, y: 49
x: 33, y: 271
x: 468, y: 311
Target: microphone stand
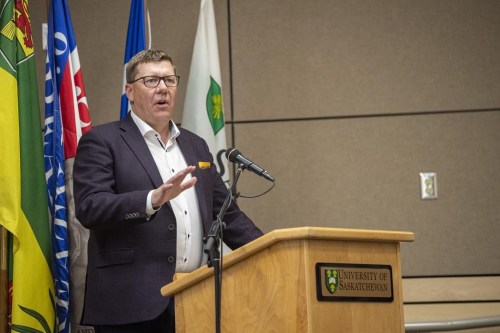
x: 211, y: 255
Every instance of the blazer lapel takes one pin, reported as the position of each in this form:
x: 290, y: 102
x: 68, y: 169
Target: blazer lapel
x: 133, y: 138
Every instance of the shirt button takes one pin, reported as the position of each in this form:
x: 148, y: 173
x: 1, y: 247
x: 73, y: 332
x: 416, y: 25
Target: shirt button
x: 171, y: 259
x: 171, y: 227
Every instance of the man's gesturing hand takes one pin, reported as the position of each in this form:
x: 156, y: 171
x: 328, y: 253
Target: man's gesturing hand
x: 172, y: 187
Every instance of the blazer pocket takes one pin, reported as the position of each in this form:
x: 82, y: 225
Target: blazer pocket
x: 115, y: 257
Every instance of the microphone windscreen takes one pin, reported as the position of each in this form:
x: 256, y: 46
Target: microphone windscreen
x: 232, y: 153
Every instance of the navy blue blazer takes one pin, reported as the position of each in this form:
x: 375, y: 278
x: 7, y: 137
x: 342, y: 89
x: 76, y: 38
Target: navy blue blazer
x: 131, y: 257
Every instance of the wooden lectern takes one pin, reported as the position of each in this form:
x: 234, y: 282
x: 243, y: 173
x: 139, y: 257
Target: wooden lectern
x: 300, y: 280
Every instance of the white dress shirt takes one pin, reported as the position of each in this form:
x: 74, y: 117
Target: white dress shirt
x: 169, y: 160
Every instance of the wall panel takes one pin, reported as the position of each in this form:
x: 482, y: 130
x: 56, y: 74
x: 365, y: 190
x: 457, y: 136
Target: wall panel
x: 364, y: 173
x: 295, y: 59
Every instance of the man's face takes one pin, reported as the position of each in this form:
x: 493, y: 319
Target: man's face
x: 153, y: 105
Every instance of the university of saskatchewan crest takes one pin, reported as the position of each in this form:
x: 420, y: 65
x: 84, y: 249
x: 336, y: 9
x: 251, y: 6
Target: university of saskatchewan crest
x: 214, y: 106
x: 331, y: 280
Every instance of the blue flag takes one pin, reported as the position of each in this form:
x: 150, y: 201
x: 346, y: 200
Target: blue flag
x: 136, y: 42
x: 66, y: 118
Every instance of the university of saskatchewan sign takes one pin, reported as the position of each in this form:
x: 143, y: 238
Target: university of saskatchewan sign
x: 354, y: 282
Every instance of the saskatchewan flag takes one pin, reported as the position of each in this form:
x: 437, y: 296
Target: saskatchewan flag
x: 203, y: 111
x: 23, y: 192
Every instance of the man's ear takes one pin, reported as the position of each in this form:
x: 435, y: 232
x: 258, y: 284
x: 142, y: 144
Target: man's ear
x: 130, y: 92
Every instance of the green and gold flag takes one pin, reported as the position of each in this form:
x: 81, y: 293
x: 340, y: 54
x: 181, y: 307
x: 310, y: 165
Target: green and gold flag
x: 203, y: 109
x: 23, y: 192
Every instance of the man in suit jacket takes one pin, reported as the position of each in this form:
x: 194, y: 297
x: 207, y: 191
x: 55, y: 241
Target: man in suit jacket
x: 148, y: 191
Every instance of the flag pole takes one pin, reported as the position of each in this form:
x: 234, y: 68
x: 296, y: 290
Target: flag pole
x: 4, y: 279
x: 231, y: 89
x: 147, y: 25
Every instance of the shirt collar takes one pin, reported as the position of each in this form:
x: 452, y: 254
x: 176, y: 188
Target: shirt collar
x: 144, y: 128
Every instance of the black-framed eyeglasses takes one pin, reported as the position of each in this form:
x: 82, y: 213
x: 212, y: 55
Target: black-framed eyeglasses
x: 154, y: 81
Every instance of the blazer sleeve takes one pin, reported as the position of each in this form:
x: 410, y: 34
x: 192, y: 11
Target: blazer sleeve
x: 98, y: 161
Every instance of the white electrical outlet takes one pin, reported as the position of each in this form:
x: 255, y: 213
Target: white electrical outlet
x: 428, y: 185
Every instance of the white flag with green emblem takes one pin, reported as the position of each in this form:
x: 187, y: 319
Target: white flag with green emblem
x: 203, y: 111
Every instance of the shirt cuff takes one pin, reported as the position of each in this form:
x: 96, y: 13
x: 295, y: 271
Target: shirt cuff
x: 149, y: 205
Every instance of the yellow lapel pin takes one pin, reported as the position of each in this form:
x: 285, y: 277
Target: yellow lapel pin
x: 204, y: 165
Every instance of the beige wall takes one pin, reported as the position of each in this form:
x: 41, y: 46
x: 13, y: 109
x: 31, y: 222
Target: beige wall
x: 345, y: 103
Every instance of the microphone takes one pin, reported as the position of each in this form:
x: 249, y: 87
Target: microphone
x: 234, y: 155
